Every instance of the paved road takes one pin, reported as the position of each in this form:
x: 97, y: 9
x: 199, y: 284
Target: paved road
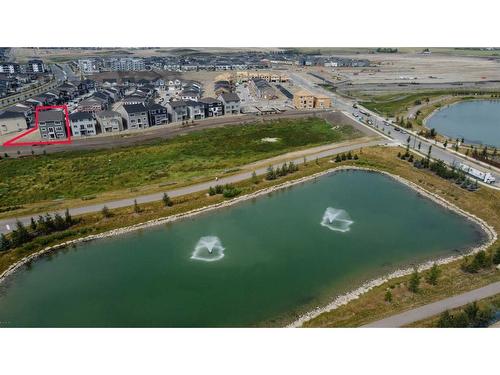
x: 436, y: 308
x: 6, y: 225
x: 398, y: 134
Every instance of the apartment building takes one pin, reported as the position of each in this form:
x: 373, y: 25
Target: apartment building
x: 305, y: 100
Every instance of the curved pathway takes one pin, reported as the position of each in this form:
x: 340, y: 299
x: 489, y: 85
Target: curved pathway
x: 436, y: 308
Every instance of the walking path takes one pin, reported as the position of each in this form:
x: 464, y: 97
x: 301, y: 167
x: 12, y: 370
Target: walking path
x: 436, y: 308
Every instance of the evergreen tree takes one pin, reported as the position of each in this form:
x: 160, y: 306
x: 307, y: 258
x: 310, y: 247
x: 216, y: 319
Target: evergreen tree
x: 4, y: 243
x: 106, y: 212
x: 137, y: 209
x: 271, y: 173
x: 388, y: 296
x: 414, y: 282
x: 433, y: 274
x: 59, y: 222
x: 496, y: 256
x: 67, y: 218
x: 255, y: 179
x: 167, y: 202
x: 33, y: 225
x: 20, y: 235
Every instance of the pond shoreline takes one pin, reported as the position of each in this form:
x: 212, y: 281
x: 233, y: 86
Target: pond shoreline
x: 338, y: 300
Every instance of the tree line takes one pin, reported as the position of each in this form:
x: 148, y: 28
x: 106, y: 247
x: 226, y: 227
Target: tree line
x: 42, y: 226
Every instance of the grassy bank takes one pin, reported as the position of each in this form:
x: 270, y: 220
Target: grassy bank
x: 86, y: 174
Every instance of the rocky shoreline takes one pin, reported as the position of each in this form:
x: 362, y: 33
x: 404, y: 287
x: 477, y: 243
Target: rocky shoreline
x: 339, y: 300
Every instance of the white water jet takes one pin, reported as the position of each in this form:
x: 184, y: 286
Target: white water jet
x: 208, y: 249
x: 337, y: 220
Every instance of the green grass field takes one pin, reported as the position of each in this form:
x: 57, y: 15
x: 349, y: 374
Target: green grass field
x: 205, y: 153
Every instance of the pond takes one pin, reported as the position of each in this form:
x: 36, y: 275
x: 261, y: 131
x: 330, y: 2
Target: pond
x: 477, y: 121
x: 260, y: 262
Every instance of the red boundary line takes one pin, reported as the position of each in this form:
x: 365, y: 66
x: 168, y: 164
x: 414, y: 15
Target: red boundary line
x: 12, y: 143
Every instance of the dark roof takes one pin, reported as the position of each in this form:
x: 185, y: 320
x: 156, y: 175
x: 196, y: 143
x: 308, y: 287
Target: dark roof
x: 230, y: 97
x: 178, y: 103
x: 210, y: 100
x: 10, y: 114
x: 134, y: 108
x: 155, y: 106
x: 104, y: 114
x: 80, y: 116
x: 51, y: 115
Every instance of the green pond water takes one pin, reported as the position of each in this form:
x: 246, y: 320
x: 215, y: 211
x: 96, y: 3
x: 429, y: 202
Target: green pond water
x: 477, y: 121
x: 270, y: 259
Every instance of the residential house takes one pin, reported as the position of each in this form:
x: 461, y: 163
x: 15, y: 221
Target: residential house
x: 135, y: 115
x: 92, y: 104
x: 196, y: 110
x: 12, y: 122
x: 109, y: 121
x: 212, y: 107
x: 231, y: 102
x: 261, y: 89
x: 157, y: 114
x: 177, y: 111
x: 82, y: 124
x: 52, y: 124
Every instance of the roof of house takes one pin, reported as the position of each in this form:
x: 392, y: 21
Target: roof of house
x: 107, y: 114
x: 91, y: 101
x: 230, y: 97
x: 134, y: 108
x: 178, y: 103
x: 80, y: 116
x: 302, y: 93
x: 10, y: 114
x: 155, y: 106
x: 210, y: 100
x: 50, y: 115
x: 193, y: 103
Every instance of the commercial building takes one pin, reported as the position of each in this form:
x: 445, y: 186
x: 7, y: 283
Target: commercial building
x: 82, y: 124
x: 109, y: 121
x: 52, y: 124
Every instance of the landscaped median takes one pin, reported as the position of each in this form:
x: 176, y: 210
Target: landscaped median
x: 369, y: 306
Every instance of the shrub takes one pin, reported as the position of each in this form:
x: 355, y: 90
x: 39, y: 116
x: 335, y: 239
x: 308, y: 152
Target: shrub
x: 414, y: 282
x: 433, y: 274
x: 388, y: 296
x: 496, y: 256
x: 106, y: 213
x: 167, y: 202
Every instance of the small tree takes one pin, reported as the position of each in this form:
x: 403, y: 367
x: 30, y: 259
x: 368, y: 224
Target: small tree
x: 33, y: 225
x: 388, y: 296
x: 59, y: 222
x: 167, y: 202
x: 271, y: 173
x: 106, y: 213
x: 433, y: 274
x: 496, y: 256
x: 414, y: 282
x: 255, y: 179
x: 137, y: 209
x: 338, y: 159
x: 67, y: 218
x: 4, y: 243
